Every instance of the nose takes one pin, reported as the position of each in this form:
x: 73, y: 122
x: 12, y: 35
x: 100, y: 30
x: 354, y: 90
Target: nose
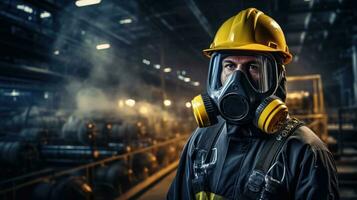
x: 239, y: 67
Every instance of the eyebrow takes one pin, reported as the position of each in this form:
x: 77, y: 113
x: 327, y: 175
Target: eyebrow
x: 233, y: 62
x: 228, y: 61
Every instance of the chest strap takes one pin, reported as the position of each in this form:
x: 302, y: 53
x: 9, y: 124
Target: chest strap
x: 209, y: 137
x: 202, y: 154
x: 260, y: 185
x: 273, y: 146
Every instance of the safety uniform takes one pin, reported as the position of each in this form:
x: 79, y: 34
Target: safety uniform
x: 247, y: 147
x: 310, y: 172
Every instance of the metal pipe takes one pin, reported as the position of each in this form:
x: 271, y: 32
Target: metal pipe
x: 93, y: 164
x: 50, y: 152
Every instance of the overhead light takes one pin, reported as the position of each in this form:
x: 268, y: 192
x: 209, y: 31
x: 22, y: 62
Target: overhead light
x: 183, y: 72
x: 125, y: 21
x: 167, y: 102
x: 188, y: 105
x: 296, y: 58
x: 25, y: 8
x: 180, y: 77
x: 14, y: 93
x: 146, y: 61
x: 302, y: 37
x: 130, y: 102
x: 167, y: 70
x: 157, y: 66
x: 332, y: 17
x: 46, y: 95
x: 45, y: 14
x: 307, y: 20
x: 81, y: 3
x: 187, y: 79
x: 56, y: 52
x: 196, y: 83
x: 103, y: 46
x: 325, y: 33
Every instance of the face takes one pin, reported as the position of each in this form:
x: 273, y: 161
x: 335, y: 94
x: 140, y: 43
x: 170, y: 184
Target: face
x: 247, y: 64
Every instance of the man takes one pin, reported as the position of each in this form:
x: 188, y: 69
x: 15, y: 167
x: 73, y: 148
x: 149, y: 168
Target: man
x: 247, y: 146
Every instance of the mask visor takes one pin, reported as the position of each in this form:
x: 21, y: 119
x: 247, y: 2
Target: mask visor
x: 259, y: 69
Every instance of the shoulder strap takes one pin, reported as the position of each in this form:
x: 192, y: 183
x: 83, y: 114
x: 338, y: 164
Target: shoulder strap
x: 273, y: 146
x: 209, y: 136
x: 202, y: 154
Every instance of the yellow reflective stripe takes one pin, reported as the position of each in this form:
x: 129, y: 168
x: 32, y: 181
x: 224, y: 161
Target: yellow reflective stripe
x: 208, y: 196
x: 201, y: 196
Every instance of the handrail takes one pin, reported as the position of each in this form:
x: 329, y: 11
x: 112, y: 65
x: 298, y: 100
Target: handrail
x: 303, y: 78
x: 90, y: 165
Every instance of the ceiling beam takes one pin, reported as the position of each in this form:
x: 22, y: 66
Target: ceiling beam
x: 90, y: 23
x: 200, y: 17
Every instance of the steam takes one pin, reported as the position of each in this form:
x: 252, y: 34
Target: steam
x: 111, y: 80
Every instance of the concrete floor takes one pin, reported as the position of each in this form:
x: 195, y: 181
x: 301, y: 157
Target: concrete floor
x: 159, y: 190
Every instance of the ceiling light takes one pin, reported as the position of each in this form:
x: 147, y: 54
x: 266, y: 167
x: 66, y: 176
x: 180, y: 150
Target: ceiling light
x: 296, y: 58
x: 25, y: 8
x: 187, y: 79
x: 188, y: 104
x: 157, y: 66
x: 45, y: 14
x: 332, y: 17
x: 13, y: 93
x: 103, y: 46
x: 56, y: 52
x: 46, y: 95
x: 196, y: 83
x: 130, y: 102
x: 146, y: 61
x: 81, y: 3
x: 180, y: 77
x: 167, y: 70
x: 125, y: 21
x: 307, y: 20
x: 302, y: 37
x: 167, y: 102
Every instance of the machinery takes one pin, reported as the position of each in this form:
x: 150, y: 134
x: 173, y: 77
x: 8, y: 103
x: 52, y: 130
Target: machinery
x: 36, y: 143
x: 305, y: 101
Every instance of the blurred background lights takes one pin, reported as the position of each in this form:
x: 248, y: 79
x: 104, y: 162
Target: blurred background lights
x: 167, y: 102
x: 103, y: 46
x: 130, y: 102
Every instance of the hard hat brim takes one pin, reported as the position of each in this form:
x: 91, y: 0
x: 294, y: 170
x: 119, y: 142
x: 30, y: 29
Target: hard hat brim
x: 287, y: 57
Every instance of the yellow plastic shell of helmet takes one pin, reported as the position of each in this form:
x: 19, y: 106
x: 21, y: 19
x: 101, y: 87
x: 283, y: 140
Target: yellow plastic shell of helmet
x: 250, y: 30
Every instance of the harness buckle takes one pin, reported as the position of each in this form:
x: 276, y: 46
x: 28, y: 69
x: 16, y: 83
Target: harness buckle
x: 200, y: 165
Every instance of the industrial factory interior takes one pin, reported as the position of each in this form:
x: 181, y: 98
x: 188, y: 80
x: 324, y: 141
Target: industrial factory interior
x: 96, y: 96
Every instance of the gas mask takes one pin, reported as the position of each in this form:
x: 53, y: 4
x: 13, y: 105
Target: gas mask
x: 241, y: 88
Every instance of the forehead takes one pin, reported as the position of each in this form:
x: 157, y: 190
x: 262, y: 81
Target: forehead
x: 239, y: 59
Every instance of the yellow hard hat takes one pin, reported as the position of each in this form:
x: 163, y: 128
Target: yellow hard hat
x: 251, y: 30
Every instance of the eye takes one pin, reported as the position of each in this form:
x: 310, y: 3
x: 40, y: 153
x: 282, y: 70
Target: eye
x: 230, y: 66
x: 253, y: 67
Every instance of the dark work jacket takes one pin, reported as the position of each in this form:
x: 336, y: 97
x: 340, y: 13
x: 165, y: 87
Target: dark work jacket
x: 310, y: 171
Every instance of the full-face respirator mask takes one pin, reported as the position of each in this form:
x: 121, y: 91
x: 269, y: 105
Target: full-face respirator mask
x: 241, y: 88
